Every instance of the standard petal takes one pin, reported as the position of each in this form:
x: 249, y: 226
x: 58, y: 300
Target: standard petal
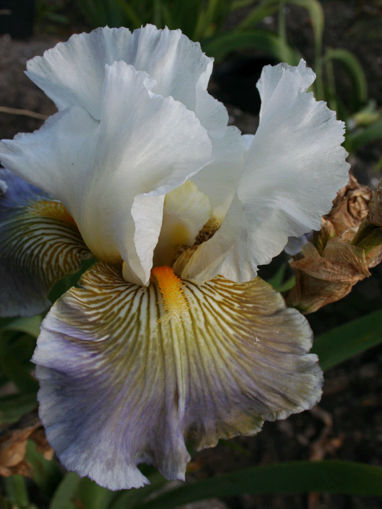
x: 295, y: 165
x: 293, y: 168
x: 39, y: 245
x: 113, y: 175
x: 128, y: 374
x: 72, y: 73
x: 152, y: 148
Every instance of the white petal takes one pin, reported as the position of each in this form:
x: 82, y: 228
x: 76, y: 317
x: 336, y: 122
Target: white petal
x: 58, y: 157
x: 134, y: 156
x: 72, y: 73
x: 293, y: 168
x: 220, y: 178
x: 295, y: 165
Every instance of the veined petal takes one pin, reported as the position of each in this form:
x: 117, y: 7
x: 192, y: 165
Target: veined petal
x: 294, y: 166
x: 127, y: 373
x: 113, y: 175
x: 39, y: 245
x: 72, y: 73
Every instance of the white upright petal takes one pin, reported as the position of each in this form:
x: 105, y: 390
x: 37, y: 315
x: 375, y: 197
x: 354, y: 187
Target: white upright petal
x: 295, y: 164
x: 293, y: 168
x: 219, y: 180
x: 114, y: 184
x: 72, y: 73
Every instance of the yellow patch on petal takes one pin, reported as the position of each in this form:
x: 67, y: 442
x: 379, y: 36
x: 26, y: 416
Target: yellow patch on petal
x: 51, y: 208
x: 170, y: 287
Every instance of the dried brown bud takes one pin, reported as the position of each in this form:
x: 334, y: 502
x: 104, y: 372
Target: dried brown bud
x: 350, y: 207
x: 342, y: 252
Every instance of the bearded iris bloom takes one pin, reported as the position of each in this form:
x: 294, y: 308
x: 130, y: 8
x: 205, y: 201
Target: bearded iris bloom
x: 169, y: 337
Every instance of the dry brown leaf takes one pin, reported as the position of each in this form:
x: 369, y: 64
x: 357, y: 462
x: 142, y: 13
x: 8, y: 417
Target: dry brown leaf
x: 13, y: 446
x: 327, y: 277
x: 375, y: 207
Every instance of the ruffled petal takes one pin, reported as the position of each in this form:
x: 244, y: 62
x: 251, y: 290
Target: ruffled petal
x: 72, y: 73
x: 113, y: 175
x: 293, y: 168
x: 39, y: 245
x: 295, y: 165
x: 128, y: 374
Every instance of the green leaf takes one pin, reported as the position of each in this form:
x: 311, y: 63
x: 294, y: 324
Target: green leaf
x: 90, y: 495
x: 67, y: 282
x: 14, y: 362
x: 130, y: 499
x: 46, y: 473
x: 64, y: 496
x: 257, y: 14
x: 131, y: 16
x: 345, y: 341
x: 317, y: 18
x: 30, y: 325
x: 345, y: 477
x: 354, y: 71
x: 16, y: 491
x: 261, y: 40
x: 278, y: 281
x: 360, y: 138
x: 12, y: 407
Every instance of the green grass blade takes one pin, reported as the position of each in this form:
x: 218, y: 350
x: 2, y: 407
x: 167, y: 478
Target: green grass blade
x: 317, y: 18
x: 346, y: 341
x: 354, y: 71
x: 132, y: 19
x: 261, y: 40
x: 344, y: 477
x: 132, y: 498
x: 16, y: 491
x: 65, y: 494
x: 90, y: 495
x: 257, y: 14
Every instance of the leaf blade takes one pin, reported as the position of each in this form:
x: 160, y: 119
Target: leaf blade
x: 345, y: 341
x: 330, y: 476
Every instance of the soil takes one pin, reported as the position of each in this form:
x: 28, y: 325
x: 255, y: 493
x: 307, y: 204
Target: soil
x: 347, y: 424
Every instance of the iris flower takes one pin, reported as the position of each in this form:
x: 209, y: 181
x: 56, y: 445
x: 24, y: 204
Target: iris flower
x: 169, y: 337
